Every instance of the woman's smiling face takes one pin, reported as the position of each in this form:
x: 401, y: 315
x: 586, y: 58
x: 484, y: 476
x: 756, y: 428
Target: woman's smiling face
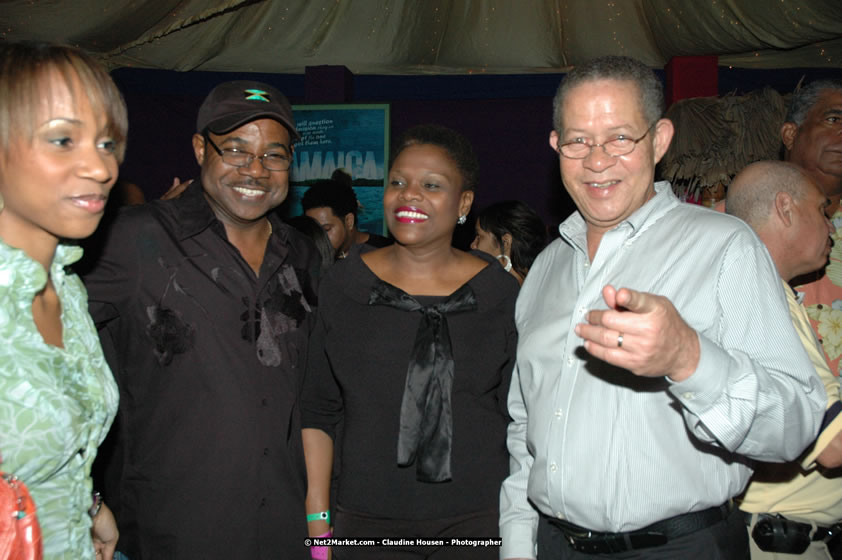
x: 424, y: 196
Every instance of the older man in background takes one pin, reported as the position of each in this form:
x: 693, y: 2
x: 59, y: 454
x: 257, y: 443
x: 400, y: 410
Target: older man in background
x: 812, y: 139
x: 793, y: 509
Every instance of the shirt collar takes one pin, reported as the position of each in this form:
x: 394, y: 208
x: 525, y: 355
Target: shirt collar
x: 17, y: 269
x: 574, y: 228
x: 799, y: 296
x: 193, y: 211
x: 195, y: 215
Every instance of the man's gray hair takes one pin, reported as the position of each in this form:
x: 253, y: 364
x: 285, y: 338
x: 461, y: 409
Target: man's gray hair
x: 622, y: 68
x: 804, y: 99
x: 751, y: 195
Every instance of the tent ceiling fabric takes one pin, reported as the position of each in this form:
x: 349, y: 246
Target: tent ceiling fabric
x: 431, y: 36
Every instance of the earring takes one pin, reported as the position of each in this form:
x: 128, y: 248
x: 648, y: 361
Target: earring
x: 462, y: 219
x: 508, y: 266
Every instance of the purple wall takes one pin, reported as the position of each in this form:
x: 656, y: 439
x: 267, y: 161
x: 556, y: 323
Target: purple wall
x: 508, y: 119
x: 509, y: 134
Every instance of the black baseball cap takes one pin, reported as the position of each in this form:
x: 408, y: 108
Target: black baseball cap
x: 233, y: 104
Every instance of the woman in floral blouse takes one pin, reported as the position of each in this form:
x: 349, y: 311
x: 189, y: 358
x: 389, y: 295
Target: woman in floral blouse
x: 62, y: 135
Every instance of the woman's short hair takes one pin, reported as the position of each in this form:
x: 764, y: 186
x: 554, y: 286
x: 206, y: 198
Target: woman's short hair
x: 529, y: 236
x: 25, y: 71
x: 454, y: 143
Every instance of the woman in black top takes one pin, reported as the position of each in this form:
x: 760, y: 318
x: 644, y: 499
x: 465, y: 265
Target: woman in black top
x: 413, y: 350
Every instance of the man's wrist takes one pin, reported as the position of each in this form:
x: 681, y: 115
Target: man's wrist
x: 689, y: 359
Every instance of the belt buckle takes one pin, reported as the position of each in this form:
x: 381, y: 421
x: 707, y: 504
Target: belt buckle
x: 590, y: 543
x: 577, y: 540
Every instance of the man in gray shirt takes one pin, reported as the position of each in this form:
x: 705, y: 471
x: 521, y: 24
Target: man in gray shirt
x: 655, y: 354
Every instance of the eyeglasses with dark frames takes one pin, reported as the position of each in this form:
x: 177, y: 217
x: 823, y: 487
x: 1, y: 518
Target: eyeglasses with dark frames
x: 271, y: 161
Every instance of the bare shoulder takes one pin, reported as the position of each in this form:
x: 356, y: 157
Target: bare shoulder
x: 378, y: 260
x: 466, y: 267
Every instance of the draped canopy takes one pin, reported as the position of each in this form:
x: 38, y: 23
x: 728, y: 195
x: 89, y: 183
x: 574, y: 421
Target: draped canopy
x: 431, y: 36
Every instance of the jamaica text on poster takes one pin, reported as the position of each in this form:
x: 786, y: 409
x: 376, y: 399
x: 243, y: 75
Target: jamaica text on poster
x: 354, y: 138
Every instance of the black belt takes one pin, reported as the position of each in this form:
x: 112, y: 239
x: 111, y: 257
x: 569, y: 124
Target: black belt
x: 659, y: 533
x: 776, y: 533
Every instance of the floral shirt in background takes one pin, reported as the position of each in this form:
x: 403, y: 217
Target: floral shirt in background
x: 823, y: 300
x: 56, y: 404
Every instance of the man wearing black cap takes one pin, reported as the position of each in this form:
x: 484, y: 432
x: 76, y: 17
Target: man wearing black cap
x: 204, y: 304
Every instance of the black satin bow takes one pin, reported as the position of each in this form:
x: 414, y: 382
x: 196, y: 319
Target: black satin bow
x: 426, y: 426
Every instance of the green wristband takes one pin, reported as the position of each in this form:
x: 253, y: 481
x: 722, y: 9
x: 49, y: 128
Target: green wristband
x: 321, y: 516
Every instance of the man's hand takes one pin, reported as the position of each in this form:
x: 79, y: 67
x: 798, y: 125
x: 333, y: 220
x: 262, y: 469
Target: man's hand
x: 104, y: 533
x: 831, y: 456
x: 176, y: 189
x: 655, y: 339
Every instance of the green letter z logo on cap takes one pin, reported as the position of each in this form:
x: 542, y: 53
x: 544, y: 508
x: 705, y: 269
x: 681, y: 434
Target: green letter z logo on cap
x: 257, y: 95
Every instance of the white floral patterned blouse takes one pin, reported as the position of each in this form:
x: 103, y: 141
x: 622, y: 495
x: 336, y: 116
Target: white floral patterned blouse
x: 56, y: 404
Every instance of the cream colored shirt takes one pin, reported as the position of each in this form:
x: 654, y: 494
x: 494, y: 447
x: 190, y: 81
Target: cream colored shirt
x: 799, y: 491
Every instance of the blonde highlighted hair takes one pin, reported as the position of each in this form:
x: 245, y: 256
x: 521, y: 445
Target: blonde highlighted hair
x: 25, y: 71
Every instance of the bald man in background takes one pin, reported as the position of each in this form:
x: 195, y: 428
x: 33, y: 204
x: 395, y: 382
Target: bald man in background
x: 792, y: 510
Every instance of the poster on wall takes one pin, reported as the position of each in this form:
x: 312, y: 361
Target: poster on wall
x: 353, y: 138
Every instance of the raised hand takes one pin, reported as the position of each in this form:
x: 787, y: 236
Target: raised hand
x: 643, y: 333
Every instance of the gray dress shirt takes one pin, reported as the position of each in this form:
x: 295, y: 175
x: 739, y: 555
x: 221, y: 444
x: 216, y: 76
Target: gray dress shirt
x: 611, y: 451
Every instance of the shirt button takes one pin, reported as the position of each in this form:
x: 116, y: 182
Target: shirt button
x: 582, y: 311
x: 266, y: 451
x: 689, y: 396
x: 558, y: 514
x: 569, y: 360
x: 558, y: 413
x: 264, y: 402
x: 553, y: 467
x: 262, y: 501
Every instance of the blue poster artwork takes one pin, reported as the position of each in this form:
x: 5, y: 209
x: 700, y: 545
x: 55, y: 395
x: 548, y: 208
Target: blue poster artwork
x: 353, y: 138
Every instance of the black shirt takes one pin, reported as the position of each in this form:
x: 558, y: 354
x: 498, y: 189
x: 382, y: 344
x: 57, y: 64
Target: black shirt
x: 356, y: 372
x: 208, y: 358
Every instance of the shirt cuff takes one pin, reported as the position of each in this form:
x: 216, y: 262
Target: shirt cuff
x: 702, y: 389
x: 518, y: 540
